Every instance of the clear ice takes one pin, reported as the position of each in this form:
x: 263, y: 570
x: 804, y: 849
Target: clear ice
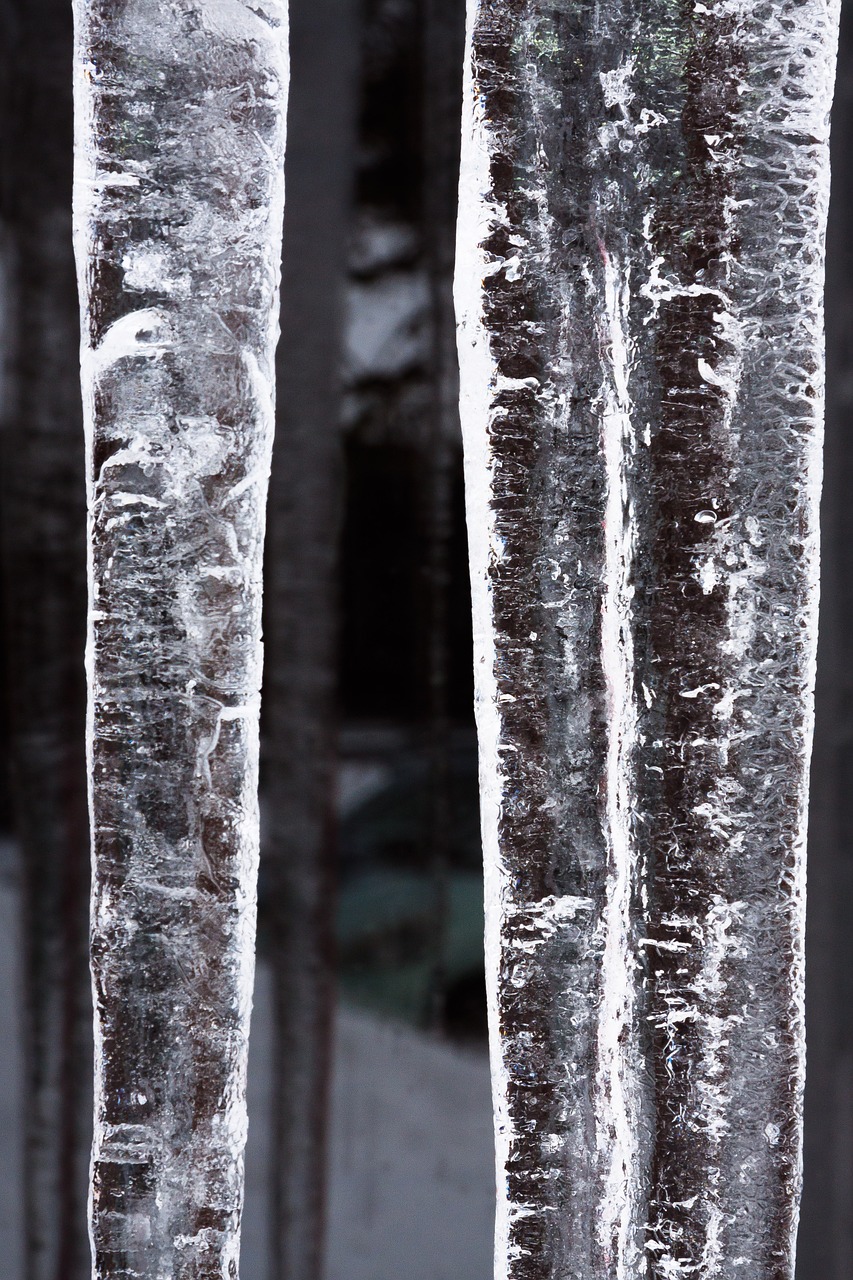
x: 180, y: 116
x: 639, y: 291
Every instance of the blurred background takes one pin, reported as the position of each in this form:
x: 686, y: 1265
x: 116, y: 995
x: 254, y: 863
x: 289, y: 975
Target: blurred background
x: 370, y: 1150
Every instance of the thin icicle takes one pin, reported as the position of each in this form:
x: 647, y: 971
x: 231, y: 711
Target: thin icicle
x: 643, y: 202
x: 180, y: 111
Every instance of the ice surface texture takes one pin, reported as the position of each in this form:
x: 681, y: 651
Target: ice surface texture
x: 180, y: 109
x: 643, y: 201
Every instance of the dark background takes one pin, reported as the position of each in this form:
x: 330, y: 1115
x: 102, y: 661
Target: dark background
x: 370, y: 880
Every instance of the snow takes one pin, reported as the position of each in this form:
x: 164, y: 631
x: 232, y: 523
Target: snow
x: 410, y: 1154
x: 386, y: 318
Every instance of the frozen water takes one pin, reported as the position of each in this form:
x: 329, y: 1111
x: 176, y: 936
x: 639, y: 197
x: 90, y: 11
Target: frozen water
x: 180, y: 110
x: 639, y: 281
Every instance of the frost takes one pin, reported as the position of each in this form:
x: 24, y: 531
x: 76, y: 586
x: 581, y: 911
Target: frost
x: 178, y: 205
x: 639, y: 281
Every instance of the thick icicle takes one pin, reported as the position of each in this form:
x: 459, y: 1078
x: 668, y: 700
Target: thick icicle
x: 643, y: 200
x: 180, y: 111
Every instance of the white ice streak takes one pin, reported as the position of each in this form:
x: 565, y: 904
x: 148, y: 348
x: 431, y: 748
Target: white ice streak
x: 618, y: 1068
x: 476, y: 377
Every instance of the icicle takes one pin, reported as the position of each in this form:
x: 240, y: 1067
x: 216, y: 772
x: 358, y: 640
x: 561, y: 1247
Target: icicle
x: 180, y: 111
x: 643, y: 202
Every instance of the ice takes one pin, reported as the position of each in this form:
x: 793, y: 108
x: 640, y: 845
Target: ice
x: 180, y: 111
x: 639, y: 291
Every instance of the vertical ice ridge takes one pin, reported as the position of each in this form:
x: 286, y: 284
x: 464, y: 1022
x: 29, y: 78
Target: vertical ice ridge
x: 618, y: 1075
x: 531, y: 938
x: 180, y: 112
